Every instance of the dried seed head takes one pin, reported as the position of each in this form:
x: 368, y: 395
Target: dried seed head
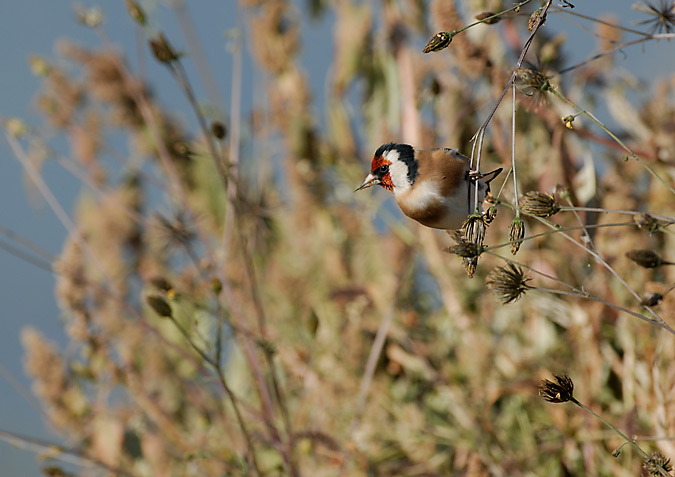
x: 508, y: 283
x: 560, y: 391
x: 532, y: 22
x: 490, y: 21
x: 160, y: 305
x: 646, y: 258
x: 438, y: 42
x: 652, y: 299
x: 662, y: 15
x: 90, y: 17
x: 531, y: 81
x: 135, y: 11
x: 516, y: 234
x: 470, y: 265
x: 656, y: 464
x: 163, y: 50
x: 161, y: 283
x: 474, y: 229
x: 490, y: 215
x: 646, y: 222
x: 218, y: 129
x: 466, y: 249
x: 538, y: 204
x: 456, y: 235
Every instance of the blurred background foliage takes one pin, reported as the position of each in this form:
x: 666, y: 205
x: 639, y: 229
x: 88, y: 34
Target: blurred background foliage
x: 234, y: 308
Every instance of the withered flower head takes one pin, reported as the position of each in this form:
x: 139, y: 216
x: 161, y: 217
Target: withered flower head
x: 532, y: 82
x: 178, y: 230
x: 560, y: 391
x: 160, y: 305
x: 470, y: 265
x: 538, y: 204
x: 490, y: 215
x: 218, y: 129
x: 162, y: 49
x: 474, y: 229
x: 644, y: 221
x: 486, y: 15
x: 656, y: 464
x: 509, y: 283
x: 516, y: 234
x: 466, y: 249
x: 662, y: 15
x: 438, y: 42
x: 532, y: 22
x: 652, y: 299
x: 135, y: 11
x: 646, y: 258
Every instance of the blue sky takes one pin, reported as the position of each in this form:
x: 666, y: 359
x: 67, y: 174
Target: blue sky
x: 34, y: 26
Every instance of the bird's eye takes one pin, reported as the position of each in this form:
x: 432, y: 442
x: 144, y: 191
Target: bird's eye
x: 383, y: 169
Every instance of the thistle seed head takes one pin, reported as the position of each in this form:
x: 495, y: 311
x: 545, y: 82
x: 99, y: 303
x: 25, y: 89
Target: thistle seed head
x: 539, y: 204
x: 508, y: 283
x: 516, y: 234
x: 656, y: 463
x: 560, y: 391
x: 646, y: 258
x: 438, y: 42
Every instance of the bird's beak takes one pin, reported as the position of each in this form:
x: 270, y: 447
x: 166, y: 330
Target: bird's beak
x: 370, y: 181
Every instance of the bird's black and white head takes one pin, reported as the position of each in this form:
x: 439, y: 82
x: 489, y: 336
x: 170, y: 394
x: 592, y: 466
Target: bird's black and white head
x: 393, y: 167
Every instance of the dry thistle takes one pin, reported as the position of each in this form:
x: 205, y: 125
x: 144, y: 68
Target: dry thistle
x: 474, y: 229
x: 509, y: 283
x: 532, y: 22
x: 438, y: 42
x: 160, y: 305
x: 560, y: 391
x: 657, y: 464
x: 531, y: 82
x: 662, y: 16
x: 538, y: 204
x: 466, y: 249
x: 647, y: 258
x: 516, y: 234
x: 177, y: 231
x: 485, y: 18
x: 163, y: 50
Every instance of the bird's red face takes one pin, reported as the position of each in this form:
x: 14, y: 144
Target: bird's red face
x: 379, y: 174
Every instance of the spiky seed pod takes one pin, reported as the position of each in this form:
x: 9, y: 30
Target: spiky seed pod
x: 662, y: 15
x: 160, y: 305
x: 532, y: 81
x: 532, y: 22
x: 646, y: 258
x: 218, y: 130
x: 538, y: 204
x: 516, y: 234
x: 474, y: 229
x: 162, y: 49
x: 651, y: 299
x: 491, y: 21
x: 656, y: 463
x: 508, y: 283
x: 560, y: 391
x: 470, y: 265
x: 438, y: 42
x: 466, y: 249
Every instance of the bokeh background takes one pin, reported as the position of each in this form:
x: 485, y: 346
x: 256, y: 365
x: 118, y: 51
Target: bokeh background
x: 27, y: 292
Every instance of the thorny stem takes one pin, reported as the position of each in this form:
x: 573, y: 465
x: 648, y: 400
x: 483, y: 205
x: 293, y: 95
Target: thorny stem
x: 592, y: 117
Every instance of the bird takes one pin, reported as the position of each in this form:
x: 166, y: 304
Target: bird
x: 435, y: 187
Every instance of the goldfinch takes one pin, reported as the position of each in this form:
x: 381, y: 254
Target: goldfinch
x: 435, y: 187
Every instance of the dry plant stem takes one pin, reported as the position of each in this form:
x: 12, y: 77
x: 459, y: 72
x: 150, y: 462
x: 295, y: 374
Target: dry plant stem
x: 601, y: 261
x: 584, y: 229
x: 481, y: 130
x: 592, y: 117
x: 27, y: 244
x: 71, y: 456
x: 513, y: 150
x: 58, y: 210
x: 614, y: 211
x: 26, y: 257
x: 580, y: 293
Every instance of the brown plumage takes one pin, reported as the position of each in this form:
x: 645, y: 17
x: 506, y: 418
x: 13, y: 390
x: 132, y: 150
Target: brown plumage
x: 435, y: 187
